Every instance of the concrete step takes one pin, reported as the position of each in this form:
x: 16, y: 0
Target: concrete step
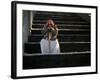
x: 62, y: 22
x: 33, y: 47
x: 65, y: 31
x: 58, y: 18
x: 54, y: 61
x: 65, y: 26
x: 62, y: 38
x: 54, y: 13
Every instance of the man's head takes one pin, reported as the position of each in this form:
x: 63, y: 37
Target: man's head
x: 50, y: 23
